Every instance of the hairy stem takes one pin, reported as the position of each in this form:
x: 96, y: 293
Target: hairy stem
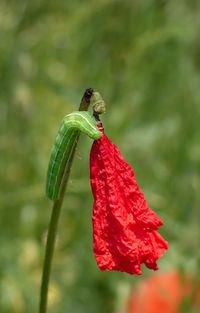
x: 53, y: 225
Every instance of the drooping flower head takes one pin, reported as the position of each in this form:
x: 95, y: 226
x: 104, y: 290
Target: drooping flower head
x: 124, y: 227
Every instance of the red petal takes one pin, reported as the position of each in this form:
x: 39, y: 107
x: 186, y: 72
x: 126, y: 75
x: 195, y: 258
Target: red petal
x: 124, y: 227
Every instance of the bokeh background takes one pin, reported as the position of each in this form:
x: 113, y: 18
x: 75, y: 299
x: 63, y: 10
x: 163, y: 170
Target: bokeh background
x: 144, y: 58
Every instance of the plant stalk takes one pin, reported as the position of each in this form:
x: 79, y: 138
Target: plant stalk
x: 56, y: 209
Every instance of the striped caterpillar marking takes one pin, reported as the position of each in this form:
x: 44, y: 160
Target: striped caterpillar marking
x: 64, y: 146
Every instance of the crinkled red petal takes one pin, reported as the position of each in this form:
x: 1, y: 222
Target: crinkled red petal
x: 124, y: 227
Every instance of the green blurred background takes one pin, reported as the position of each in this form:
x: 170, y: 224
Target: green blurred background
x: 144, y: 58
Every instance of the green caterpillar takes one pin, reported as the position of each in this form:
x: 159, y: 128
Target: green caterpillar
x: 67, y: 137
x: 66, y: 141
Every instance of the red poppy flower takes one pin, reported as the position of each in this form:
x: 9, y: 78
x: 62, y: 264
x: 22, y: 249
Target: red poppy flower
x: 124, y: 227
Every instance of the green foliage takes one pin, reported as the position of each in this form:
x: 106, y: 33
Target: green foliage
x: 144, y: 58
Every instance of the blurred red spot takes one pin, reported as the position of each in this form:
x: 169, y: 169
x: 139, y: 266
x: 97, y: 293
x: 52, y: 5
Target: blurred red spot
x: 164, y: 292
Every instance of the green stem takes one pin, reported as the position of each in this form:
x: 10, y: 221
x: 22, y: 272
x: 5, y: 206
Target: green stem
x: 53, y: 225
x: 49, y: 254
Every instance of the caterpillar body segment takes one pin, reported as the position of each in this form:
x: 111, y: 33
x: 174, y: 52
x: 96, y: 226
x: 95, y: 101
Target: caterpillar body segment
x: 63, y: 148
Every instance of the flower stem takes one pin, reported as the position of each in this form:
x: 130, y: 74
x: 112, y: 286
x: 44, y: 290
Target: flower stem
x: 49, y: 254
x: 53, y: 225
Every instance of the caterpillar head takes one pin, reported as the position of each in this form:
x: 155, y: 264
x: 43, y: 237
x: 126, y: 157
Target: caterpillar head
x: 98, y: 103
x: 88, y: 93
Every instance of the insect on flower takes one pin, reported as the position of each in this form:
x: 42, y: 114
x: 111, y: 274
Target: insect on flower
x: 124, y: 227
x: 62, y: 150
